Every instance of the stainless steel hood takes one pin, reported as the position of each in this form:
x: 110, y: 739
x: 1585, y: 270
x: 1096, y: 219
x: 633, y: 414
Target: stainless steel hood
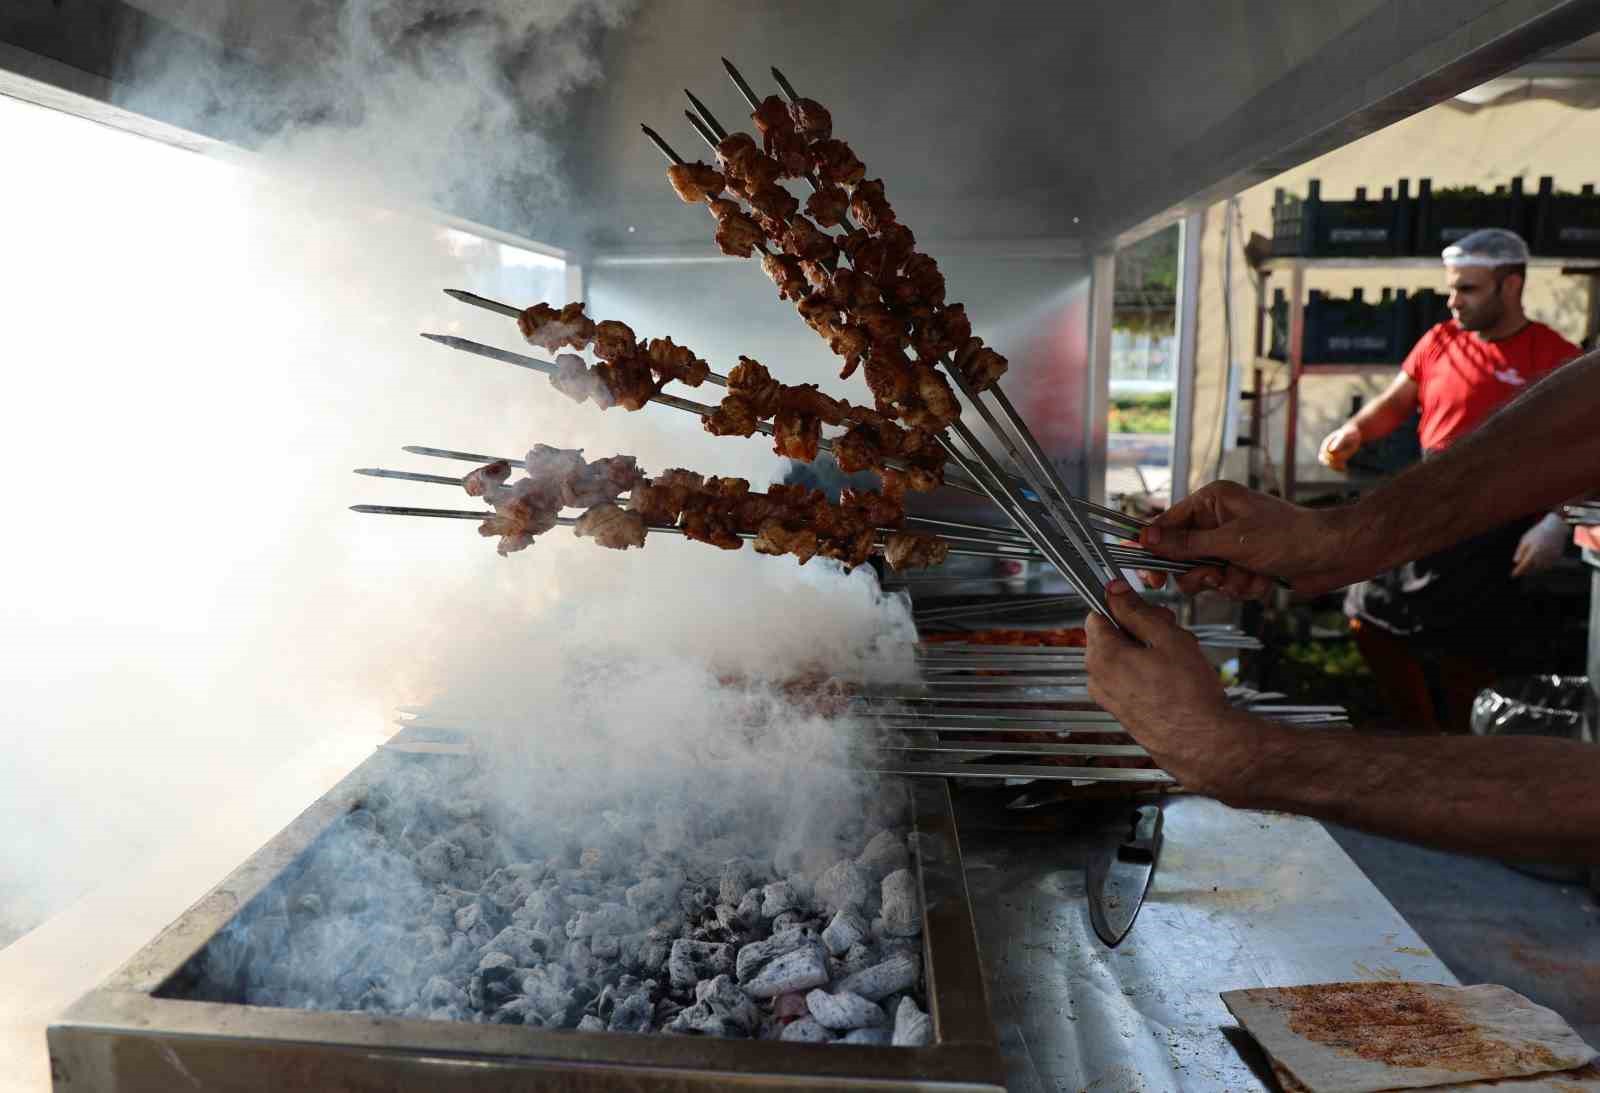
x: 1010, y: 122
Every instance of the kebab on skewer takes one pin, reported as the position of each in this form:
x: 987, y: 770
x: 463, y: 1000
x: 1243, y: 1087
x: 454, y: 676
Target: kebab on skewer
x: 631, y: 373
x: 891, y: 297
x: 720, y: 511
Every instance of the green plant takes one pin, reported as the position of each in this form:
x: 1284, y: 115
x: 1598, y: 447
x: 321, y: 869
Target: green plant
x: 1143, y: 413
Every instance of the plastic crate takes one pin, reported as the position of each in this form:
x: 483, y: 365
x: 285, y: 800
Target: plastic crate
x: 1362, y: 228
x: 1352, y: 331
x: 1566, y: 225
x: 1428, y: 309
x: 1446, y: 215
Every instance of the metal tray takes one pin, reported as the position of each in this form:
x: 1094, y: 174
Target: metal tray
x: 130, y: 1035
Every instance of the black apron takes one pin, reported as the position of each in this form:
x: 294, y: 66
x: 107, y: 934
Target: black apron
x: 1462, y: 597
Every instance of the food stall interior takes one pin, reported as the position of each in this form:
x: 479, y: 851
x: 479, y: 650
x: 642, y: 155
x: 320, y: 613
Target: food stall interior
x: 1025, y: 143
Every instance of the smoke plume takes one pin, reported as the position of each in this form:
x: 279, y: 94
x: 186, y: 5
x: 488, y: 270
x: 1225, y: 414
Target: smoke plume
x: 207, y: 347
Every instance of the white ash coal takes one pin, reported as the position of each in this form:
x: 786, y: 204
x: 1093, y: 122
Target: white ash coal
x: 432, y: 902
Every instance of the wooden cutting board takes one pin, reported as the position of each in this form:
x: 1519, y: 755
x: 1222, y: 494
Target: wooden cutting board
x: 1367, y: 1037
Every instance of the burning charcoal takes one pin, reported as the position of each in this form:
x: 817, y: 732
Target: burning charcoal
x: 846, y: 929
x: 898, y: 973
x: 472, y: 838
x: 467, y: 917
x: 844, y: 887
x: 776, y: 898
x: 724, y: 996
x: 520, y: 943
x: 861, y: 956
x: 844, y: 1010
x: 692, y: 961
x: 788, y: 921
x: 696, y: 901
x: 591, y: 1023
x: 803, y: 968
x: 790, y: 1007
x: 496, y: 994
x: 884, y: 854
x: 480, y: 935
x: 889, y: 945
x: 738, y: 876
x: 464, y: 808
x: 439, y: 991
x: 440, y: 859
x: 634, y: 1013
x: 436, y: 936
x: 495, y: 967
x: 758, y: 954
x: 580, y: 958
x: 605, y: 946
x: 806, y: 1031
x: 750, y: 907
x: 912, y: 1027
x: 608, y: 918
x: 876, y: 1037
x: 595, y: 859
x: 902, y: 905
x: 728, y: 918
x: 654, y: 953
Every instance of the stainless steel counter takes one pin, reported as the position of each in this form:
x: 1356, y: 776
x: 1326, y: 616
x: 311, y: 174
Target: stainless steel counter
x: 1241, y: 899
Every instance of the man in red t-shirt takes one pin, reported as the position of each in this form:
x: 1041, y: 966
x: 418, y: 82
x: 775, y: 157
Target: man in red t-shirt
x: 1430, y: 626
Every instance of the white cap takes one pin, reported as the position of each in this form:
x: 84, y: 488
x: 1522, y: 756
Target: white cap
x: 1487, y: 247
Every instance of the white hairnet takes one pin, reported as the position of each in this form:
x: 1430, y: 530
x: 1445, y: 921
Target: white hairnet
x: 1487, y: 247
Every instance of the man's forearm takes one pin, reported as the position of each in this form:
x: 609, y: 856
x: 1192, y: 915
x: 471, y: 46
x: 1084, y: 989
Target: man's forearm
x: 1537, y: 452
x: 1526, y: 798
x: 1383, y: 415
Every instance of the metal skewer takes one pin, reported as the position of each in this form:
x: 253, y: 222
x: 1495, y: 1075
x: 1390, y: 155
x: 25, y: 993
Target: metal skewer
x: 1045, y: 482
x: 569, y: 521
x: 1010, y: 551
x: 1071, y: 557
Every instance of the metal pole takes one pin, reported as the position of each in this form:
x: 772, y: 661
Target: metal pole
x: 1190, y: 232
x: 1097, y: 404
x: 1297, y: 328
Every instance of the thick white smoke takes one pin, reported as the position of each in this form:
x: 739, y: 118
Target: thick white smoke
x: 199, y: 352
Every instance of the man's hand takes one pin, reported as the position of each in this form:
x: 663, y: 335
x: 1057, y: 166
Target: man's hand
x: 1259, y: 537
x: 1339, y: 445
x: 1160, y: 686
x: 1541, y: 546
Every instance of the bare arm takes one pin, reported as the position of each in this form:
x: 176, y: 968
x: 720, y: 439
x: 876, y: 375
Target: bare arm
x: 1526, y: 798
x: 1390, y: 410
x: 1508, y: 797
x: 1541, y: 450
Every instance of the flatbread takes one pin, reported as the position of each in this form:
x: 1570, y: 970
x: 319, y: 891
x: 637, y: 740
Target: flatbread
x: 1367, y: 1037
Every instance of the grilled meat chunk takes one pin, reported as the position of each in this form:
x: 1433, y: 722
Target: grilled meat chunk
x: 777, y: 537
x: 979, y: 365
x: 835, y: 163
x: 870, y: 207
x: 610, y: 526
x: 487, y: 478
x: 796, y: 435
x: 614, y: 340
x: 676, y: 362
x: 737, y: 234
x: 828, y: 206
x: 803, y: 239
x: 811, y: 118
x: 907, y: 551
x: 734, y: 416
x: 695, y: 181
x: 549, y: 329
x: 786, y: 273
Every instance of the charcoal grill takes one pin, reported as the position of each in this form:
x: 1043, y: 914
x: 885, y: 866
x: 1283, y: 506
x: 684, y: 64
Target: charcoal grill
x: 139, y: 1032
